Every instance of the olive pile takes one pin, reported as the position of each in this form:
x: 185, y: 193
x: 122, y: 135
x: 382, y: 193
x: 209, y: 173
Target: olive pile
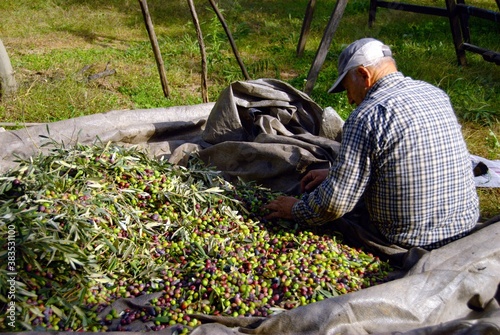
x: 94, y: 224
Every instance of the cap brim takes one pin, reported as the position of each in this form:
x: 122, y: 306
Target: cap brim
x: 337, y: 85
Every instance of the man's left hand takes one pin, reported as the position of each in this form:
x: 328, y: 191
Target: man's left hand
x: 281, y: 207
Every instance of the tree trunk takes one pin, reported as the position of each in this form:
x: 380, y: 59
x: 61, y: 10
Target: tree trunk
x: 8, y: 85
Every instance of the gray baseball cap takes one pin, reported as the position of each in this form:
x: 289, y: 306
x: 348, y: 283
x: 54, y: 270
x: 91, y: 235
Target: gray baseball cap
x: 364, y: 52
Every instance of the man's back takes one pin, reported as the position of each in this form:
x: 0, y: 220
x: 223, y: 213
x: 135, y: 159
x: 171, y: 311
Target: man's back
x: 421, y: 189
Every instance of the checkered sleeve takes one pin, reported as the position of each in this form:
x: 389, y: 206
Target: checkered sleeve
x: 344, y: 186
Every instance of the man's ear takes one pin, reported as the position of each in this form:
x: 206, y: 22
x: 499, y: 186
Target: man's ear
x: 366, y: 75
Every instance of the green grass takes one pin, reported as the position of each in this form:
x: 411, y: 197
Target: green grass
x: 51, y: 42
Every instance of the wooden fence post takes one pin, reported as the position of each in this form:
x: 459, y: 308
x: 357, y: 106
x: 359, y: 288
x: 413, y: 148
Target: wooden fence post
x: 332, y: 26
x: 231, y: 40
x: 306, y: 26
x: 156, y: 48
x: 204, y: 80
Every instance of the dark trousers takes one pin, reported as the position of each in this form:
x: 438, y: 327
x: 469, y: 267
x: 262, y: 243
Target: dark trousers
x: 358, y: 231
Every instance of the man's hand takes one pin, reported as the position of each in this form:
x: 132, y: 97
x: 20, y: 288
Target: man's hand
x: 312, y: 179
x: 281, y: 208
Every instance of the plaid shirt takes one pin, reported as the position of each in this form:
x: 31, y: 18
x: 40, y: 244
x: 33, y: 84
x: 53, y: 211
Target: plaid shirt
x: 403, y: 151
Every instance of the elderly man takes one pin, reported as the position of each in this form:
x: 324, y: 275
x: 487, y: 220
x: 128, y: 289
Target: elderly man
x: 403, y: 175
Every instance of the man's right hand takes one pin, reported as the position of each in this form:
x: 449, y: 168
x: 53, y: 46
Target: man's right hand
x: 312, y: 179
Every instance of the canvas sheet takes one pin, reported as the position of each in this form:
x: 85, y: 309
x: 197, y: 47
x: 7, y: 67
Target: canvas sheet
x: 491, y: 175
x: 266, y: 131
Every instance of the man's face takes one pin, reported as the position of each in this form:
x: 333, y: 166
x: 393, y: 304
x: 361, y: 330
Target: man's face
x: 355, y: 85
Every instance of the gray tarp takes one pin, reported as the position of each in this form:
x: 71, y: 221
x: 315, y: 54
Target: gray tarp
x: 267, y: 131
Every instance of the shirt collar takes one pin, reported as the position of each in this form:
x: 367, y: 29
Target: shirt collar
x: 386, y: 81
